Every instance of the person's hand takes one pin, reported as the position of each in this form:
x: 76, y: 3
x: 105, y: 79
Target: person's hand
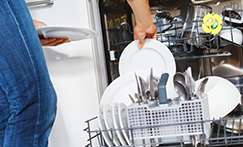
x: 141, y: 32
x: 145, y: 27
x: 38, y: 24
x: 49, y: 41
x: 52, y: 41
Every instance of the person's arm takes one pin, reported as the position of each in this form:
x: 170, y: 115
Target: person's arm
x: 141, y: 11
x: 145, y: 27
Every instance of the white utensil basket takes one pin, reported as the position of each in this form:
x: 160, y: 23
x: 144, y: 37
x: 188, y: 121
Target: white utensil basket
x: 183, y: 119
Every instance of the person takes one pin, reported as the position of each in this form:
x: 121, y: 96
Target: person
x: 145, y: 27
x: 27, y: 96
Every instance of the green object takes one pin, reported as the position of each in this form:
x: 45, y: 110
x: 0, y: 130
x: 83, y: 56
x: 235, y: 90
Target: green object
x: 214, y: 25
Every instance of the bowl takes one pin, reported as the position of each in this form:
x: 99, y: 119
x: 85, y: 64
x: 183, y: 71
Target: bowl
x: 232, y: 35
x: 223, y: 96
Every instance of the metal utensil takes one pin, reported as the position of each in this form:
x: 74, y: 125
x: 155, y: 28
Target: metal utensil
x: 162, y: 88
x: 227, y: 70
x: 235, y: 124
x: 201, y: 88
x: 228, y: 66
x: 139, y: 94
x: 193, y: 82
x: 143, y: 88
x: 189, y: 84
x: 180, y: 77
x: 151, y: 85
x: 181, y: 90
x: 138, y: 86
x: 132, y: 98
x: 139, y: 100
x: 148, y: 94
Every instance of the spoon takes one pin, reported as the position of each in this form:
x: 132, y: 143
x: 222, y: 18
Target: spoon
x: 180, y: 77
x: 201, y: 88
x: 181, y: 90
x: 191, y: 80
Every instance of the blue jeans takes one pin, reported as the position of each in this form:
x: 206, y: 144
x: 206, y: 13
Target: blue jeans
x: 27, y: 97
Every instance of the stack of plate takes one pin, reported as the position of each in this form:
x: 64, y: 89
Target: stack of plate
x: 115, y: 100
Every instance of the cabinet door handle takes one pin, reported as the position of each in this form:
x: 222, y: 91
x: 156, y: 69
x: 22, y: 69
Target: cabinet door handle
x: 39, y: 3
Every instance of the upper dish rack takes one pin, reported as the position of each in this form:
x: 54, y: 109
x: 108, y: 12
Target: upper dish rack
x: 186, y: 38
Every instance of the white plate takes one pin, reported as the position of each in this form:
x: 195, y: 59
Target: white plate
x: 118, y: 91
x: 122, y: 114
x: 117, y: 125
x: 107, y: 113
x: 232, y: 34
x: 153, y: 55
x: 74, y: 34
x: 103, y: 128
x: 222, y: 95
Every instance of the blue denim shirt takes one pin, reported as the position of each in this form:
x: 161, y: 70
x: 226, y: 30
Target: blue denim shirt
x: 27, y: 97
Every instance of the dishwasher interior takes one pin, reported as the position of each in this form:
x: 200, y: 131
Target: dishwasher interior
x: 179, y: 26
x: 192, y: 48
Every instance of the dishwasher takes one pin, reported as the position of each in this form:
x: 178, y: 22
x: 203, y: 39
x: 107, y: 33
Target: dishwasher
x: 179, y: 27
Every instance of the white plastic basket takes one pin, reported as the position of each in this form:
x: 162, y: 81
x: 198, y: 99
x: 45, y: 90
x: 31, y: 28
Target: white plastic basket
x: 183, y: 119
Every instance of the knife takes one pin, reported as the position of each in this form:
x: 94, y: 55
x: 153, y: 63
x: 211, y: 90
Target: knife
x: 138, y: 86
x: 151, y: 85
x: 143, y: 88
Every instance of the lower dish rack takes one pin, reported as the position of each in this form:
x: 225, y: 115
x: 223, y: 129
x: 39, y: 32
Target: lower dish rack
x: 185, y: 124
x: 221, y: 137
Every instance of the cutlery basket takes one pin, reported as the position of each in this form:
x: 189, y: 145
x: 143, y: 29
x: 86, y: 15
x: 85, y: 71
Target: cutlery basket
x: 182, y: 119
